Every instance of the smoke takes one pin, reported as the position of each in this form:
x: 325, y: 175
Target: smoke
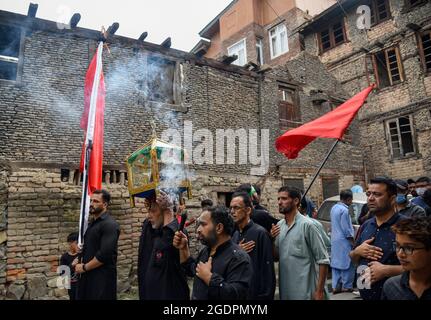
x: 154, y: 83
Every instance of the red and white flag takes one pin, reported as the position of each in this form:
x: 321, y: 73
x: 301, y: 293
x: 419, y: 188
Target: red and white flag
x: 92, y: 122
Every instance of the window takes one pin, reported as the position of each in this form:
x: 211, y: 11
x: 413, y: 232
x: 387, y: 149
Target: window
x: 240, y: 50
x: 401, y: 137
x: 330, y: 187
x: 224, y: 198
x: 379, y: 11
x: 160, y: 81
x: 297, y: 183
x: 332, y: 36
x: 425, y: 50
x: 278, y: 41
x: 10, y: 39
x: 259, y: 51
x: 288, y: 109
x: 387, y: 67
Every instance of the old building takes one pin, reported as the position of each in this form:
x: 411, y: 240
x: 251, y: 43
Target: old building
x: 42, y: 72
x: 258, y: 31
x: 393, y: 51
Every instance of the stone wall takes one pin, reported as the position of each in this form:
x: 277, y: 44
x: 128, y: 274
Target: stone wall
x: 41, y: 142
x: 351, y: 65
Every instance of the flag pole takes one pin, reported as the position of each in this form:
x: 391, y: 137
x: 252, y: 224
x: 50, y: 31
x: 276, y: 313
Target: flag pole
x: 320, y: 168
x: 83, y: 218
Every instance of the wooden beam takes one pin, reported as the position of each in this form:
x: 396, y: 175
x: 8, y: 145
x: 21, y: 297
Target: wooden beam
x: 229, y: 59
x: 32, y: 9
x: 167, y: 43
x: 74, y: 20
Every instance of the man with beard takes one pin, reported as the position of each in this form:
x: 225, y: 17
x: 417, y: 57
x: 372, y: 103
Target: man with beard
x: 255, y: 240
x: 301, y: 251
x: 160, y: 275
x: 98, y: 268
x: 222, y: 270
x: 374, y: 248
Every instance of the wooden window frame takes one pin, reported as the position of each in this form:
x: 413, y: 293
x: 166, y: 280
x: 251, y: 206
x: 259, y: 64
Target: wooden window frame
x: 389, y: 137
x: 422, y: 51
x: 399, y: 65
x: 295, y: 106
x: 20, y: 59
x: 373, y: 6
x: 279, y: 38
x: 332, y: 36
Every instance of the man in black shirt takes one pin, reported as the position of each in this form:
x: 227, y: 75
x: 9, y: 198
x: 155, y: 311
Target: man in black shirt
x: 160, y: 275
x: 222, y: 270
x: 254, y: 239
x: 413, y: 247
x: 259, y: 214
x: 98, y: 268
x: 374, y: 247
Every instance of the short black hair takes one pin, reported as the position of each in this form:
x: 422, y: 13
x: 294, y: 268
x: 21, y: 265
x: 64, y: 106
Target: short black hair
x: 417, y: 228
x: 303, y: 203
x: 106, y: 196
x: 258, y: 189
x: 245, y: 187
x: 424, y: 179
x: 206, y: 203
x: 346, y: 194
x: 410, y: 181
x: 73, y: 237
x: 220, y: 214
x: 391, y: 186
x: 245, y: 198
x: 293, y: 192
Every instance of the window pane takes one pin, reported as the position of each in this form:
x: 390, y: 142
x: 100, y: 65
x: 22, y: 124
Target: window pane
x: 10, y: 38
x: 8, y: 70
x: 275, y: 50
x: 338, y: 33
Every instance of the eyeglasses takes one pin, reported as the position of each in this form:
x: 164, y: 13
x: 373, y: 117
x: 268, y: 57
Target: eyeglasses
x: 407, y: 249
x: 235, y: 208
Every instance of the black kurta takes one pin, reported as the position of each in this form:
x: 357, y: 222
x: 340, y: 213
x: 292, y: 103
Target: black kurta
x: 160, y: 275
x: 100, y: 241
x: 231, y: 273
x: 263, y: 218
x: 263, y: 282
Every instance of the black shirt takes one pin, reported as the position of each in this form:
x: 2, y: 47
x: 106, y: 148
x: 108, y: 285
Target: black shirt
x: 100, y: 241
x: 384, y: 239
x: 231, y: 273
x: 160, y: 275
x: 398, y: 288
x: 263, y: 218
x: 263, y: 281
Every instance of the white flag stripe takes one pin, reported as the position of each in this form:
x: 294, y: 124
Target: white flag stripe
x: 89, y: 136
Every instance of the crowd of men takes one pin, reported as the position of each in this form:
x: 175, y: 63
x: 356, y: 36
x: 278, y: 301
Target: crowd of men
x: 390, y: 254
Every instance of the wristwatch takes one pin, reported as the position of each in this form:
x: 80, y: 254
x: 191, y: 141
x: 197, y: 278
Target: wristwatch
x: 84, y: 268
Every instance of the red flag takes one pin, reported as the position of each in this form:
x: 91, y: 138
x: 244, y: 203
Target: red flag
x: 96, y: 158
x: 331, y: 125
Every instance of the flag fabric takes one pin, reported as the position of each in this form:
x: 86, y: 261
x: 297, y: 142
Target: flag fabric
x: 331, y: 125
x: 92, y: 122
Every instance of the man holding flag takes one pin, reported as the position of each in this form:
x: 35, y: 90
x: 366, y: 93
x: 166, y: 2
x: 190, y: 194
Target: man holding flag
x: 99, y: 242
x: 98, y: 269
